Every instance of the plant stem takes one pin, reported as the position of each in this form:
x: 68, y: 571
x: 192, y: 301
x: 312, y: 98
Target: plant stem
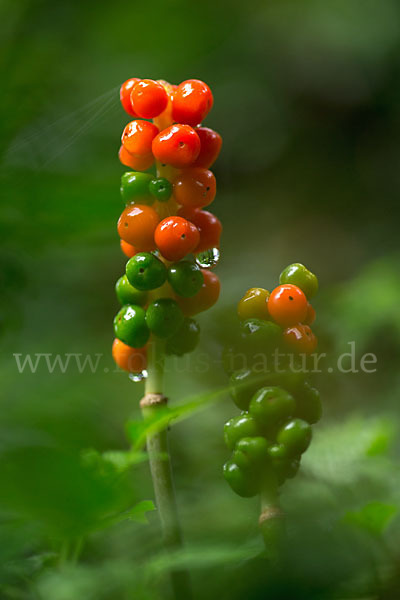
x: 160, y: 466
x: 271, y: 519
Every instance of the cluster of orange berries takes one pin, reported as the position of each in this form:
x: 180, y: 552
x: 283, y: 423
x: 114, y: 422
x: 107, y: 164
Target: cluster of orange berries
x: 164, y: 214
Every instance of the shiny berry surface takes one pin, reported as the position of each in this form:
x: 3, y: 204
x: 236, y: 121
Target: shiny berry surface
x: 177, y: 145
x: 160, y: 189
x: 132, y: 360
x: 254, y: 304
x: 137, y: 225
x: 135, y: 187
x: 241, y: 482
x: 192, y: 101
x: 308, y: 403
x: 272, y: 404
x: 209, y: 226
x: 139, y: 163
x: 164, y: 317
x: 210, y: 147
x: 127, y: 294
x: 176, y: 237
x: 287, y: 305
x: 145, y: 271
x: 185, y: 278
x: 299, y: 275
x: 195, y: 187
x: 251, y: 452
x: 295, y: 436
x: 205, y: 298
x: 243, y: 425
x: 148, y: 98
x: 130, y: 326
x: 185, y: 339
x: 300, y: 339
x: 138, y: 136
x: 125, y: 95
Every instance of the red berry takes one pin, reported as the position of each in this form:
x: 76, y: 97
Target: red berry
x: 310, y: 316
x: 210, y: 148
x: 192, y: 101
x: 125, y: 95
x: 137, y: 225
x: 209, y: 226
x: 195, y: 187
x: 128, y: 249
x: 300, y: 338
x: 177, y: 145
x: 138, y: 136
x: 287, y: 305
x: 205, y: 298
x: 175, y: 237
x: 149, y: 98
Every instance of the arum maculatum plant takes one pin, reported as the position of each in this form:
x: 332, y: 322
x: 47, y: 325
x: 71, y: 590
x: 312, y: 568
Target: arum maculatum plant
x: 276, y: 401
x: 172, y: 244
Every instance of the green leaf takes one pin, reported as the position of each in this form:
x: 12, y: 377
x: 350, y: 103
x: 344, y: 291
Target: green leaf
x: 137, y: 514
x: 374, y: 517
x: 137, y: 431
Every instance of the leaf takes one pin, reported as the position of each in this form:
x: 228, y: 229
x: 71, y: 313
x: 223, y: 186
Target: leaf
x: 137, y: 514
x: 124, y: 459
x: 137, y: 431
x: 374, y: 517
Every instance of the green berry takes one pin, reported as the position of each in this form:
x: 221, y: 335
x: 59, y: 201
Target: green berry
x: 130, y: 326
x: 160, y: 189
x: 239, y: 427
x: 251, y: 452
x: 135, y: 188
x: 259, y: 337
x: 127, y: 294
x: 298, y: 274
x: 285, y: 468
x: 185, y: 278
x: 242, y: 483
x: 145, y: 271
x: 271, y: 405
x: 243, y: 385
x: 277, y: 451
x: 185, y: 339
x: 295, y: 436
x: 164, y: 317
x: 308, y: 403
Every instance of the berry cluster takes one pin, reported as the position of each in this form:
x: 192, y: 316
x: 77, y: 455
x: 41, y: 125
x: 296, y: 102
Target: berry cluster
x: 278, y: 404
x: 170, y: 240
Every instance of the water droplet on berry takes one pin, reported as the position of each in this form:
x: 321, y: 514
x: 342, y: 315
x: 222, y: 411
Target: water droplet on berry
x: 208, y: 259
x: 137, y: 377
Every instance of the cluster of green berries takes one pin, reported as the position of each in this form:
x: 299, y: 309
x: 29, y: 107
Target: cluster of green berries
x: 164, y: 230
x: 278, y: 405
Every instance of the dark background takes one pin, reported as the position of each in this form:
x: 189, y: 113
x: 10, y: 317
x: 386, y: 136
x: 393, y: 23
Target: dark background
x: 307, y: 99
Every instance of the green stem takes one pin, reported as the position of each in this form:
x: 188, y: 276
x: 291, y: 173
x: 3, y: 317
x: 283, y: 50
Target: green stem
x: 272, y: 524
x: 160, y: 467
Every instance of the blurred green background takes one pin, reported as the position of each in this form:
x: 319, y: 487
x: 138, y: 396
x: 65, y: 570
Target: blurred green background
x: 307, y: 99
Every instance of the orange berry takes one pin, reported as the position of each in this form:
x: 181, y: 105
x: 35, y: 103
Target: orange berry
x: 209, y: 226
x: 125, y: 95
x: 300, y: 339
x: 310, y: 316
x: 138, y: 136
x: 137, y: 225
x: 137, y: 163
x: 128, y: 249
x: 175, y: 237
x: 192, y: 101
x: 210, y: 147
x: 177, y: 145
x: 133, y: 360
x: 195, y: 187
x: 287, y: 305
x: 149, y: 98
x: 205, y: 298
